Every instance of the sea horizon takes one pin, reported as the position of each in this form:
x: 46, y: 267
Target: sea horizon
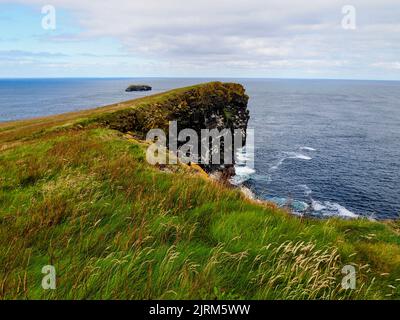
x: 199, y: 77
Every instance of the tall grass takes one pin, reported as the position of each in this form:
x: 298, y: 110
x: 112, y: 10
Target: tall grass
x: 114, y: 227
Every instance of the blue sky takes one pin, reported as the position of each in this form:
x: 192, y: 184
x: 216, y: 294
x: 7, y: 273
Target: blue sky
x: 253, y: 38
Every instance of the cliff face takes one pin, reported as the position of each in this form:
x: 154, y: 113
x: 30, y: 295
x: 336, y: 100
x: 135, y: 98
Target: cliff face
x: 213, y: 105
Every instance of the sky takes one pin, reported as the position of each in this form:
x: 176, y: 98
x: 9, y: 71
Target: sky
x: 335, y: 39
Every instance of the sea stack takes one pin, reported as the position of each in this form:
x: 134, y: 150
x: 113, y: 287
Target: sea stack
x: 138, y: 87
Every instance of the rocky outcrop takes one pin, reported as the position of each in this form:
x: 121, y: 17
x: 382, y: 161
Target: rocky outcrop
x: 138, y: 87
x: 212, y: 105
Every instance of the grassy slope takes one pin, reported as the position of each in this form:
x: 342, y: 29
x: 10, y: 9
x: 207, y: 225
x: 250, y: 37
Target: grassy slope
x: 84, y: 200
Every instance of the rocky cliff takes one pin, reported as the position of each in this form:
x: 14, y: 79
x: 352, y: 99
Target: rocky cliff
x: 212, y: 105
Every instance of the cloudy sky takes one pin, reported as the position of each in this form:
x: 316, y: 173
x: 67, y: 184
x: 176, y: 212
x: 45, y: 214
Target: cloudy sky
x: 207, y: 38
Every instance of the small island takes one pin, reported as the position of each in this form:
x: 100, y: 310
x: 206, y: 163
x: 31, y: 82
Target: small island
x: 138, y: 87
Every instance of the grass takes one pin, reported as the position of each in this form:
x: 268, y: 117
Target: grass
x: 83, y: 198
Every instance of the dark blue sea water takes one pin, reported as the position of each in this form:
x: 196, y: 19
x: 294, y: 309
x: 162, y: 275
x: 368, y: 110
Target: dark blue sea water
x: 325, y: 147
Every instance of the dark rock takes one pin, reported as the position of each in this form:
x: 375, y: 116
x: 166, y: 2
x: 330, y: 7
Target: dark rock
x: 138, y: 87
x: 212, y: 105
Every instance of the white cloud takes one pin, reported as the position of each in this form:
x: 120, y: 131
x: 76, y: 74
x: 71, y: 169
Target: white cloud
x: 387, y: 65
x: 263, y: 34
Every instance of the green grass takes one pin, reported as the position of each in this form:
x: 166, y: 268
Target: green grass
x: 85, y: 200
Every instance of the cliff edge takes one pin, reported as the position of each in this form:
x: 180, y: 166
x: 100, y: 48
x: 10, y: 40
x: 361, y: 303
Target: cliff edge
x: 214, y: 105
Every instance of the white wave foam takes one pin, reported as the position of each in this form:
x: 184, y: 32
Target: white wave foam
x: 296, y: 205
x: 296, y: 155
x: 240, y: 171
x: 307, y: 149
x: 275, y: 167
x: 242, y: 157
x: 342, y: 211
x: 243, y: 174
x: 262, y: 177
x: 289, y: 155
x: 323, y: 209
x: 244, y: 165
x: 317, y: 206
x: 307, y: 190
x: 331, y: 209
x: 245, y: 155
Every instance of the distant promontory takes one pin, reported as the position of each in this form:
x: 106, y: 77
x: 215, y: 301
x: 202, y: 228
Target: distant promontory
x: 138, y: 87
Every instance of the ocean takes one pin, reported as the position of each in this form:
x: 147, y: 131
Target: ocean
x: 322, y: 147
